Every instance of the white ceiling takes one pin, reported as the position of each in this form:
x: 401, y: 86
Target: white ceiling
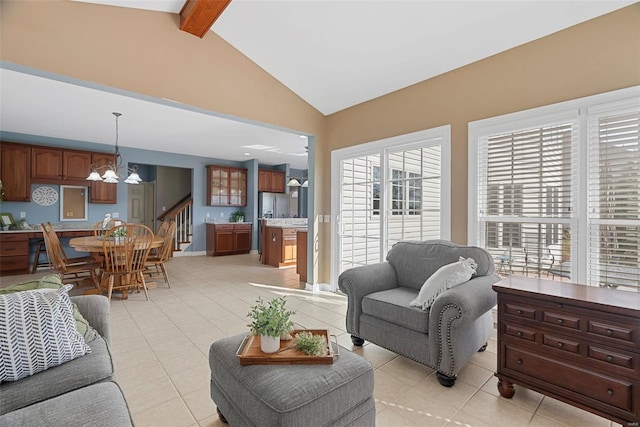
x: 334, y: 54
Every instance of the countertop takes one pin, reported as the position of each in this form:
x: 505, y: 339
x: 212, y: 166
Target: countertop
x: 289, y: 227
x: 71, y: 226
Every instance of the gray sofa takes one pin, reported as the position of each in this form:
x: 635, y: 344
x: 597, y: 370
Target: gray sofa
x: 444, y: 337
x: 79, y: 392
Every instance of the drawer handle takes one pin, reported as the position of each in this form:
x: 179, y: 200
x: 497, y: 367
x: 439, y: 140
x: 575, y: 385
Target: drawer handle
x: 519, y: 311
x: 610, y: 392
x: 519, y: 362
x: 609, y: 332
x: 609, y: 358
x: 560, y: 344
x: 560, y: 305
x: 559, y: 321
x: 519, y: 333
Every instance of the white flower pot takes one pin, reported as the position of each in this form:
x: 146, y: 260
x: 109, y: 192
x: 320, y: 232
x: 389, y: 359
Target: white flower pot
x: 269, y: 344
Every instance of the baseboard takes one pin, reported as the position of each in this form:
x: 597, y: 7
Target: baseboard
x: 189, y: 253
x: 319, y: 287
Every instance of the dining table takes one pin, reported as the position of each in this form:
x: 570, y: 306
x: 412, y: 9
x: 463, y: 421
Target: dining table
x: 94, y: 245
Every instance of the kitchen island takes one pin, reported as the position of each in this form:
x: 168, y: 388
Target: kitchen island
x: 279, y: 241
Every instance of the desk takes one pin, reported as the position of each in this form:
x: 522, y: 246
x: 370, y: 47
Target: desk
x: 92, y: 244
x: 15, y: 248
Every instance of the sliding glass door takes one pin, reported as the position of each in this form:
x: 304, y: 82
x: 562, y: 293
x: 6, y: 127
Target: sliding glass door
x: 388, y: 191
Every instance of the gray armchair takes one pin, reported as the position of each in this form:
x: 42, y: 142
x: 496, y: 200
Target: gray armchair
x: 444, y: 337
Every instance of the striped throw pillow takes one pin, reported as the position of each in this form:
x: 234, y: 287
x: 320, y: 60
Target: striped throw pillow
x: 37, y: 332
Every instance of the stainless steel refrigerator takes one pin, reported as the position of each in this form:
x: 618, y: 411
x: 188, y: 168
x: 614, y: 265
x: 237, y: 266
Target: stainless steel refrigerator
x: 274, y: 205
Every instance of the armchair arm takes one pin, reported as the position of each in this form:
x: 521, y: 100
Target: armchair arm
x: 457, y: 308
x: 361, y: 281
x: 96, y: 309
x: 471, y: 299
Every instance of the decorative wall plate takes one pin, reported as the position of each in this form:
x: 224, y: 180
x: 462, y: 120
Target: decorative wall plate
x: 45, y: 196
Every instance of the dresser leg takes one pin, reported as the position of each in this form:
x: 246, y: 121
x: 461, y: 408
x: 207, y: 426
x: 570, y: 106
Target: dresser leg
x: 506, y: 389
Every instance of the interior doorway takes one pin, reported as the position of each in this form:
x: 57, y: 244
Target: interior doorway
x: 141, y: 204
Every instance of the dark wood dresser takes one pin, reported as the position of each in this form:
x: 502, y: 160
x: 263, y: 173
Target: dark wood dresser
x: 578, y: 344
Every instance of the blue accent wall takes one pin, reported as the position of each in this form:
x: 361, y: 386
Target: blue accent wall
x: 36, y: 214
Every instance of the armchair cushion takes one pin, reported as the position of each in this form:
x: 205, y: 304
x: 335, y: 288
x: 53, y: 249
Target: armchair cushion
x: 446, y: 277
x: 393, y: 306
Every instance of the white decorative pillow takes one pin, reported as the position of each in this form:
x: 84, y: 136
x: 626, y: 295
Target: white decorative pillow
x: 37, y: 332
x: 446, y: 277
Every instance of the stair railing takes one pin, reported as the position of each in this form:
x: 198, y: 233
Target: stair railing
x: 182, y: 214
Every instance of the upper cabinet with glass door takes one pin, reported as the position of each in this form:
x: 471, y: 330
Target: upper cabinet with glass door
x: 226, y: 186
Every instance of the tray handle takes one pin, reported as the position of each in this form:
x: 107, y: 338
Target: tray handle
x: 335, y: 354
x: 241, y: 347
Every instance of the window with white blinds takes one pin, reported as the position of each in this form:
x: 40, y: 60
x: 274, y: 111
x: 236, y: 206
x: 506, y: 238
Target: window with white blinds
x: 555, y: 191
x: 614, y: 198
x: 525, y: 201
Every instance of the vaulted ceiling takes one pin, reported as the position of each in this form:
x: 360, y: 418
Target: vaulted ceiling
x: 333, y: 54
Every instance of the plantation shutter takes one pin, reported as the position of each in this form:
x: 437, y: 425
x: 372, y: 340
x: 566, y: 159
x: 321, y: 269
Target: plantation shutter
x: 360, y: 211
x: 614, y: 198
x: 525, y: 198
x: 415, y: 179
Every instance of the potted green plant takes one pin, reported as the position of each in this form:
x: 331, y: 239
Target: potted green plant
x: 119, y: 234
x: 270, y: 321
x: 237, y: 216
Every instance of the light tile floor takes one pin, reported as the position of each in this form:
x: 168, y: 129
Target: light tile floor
x: 160, y: 349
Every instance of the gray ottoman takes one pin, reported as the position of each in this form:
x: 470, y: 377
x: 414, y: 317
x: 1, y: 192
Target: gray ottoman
x: 339, y: 394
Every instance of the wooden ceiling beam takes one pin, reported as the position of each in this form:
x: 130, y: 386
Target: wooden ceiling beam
x: 197, y: 16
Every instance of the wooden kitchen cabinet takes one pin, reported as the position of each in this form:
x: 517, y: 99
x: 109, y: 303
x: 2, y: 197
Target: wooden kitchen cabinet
x: 578, y: 344
x: 14, y: 253
x: 242, y: 237
x: 226, y: 186
x: 289, y: 242
x: 301, y: 261
x: 279, y: 246
x: 271, y: 181
x: 227, y: 239
x: 102, y: 192
x: 15, y: 168
x: 55, y: 165
x: 76, y: 165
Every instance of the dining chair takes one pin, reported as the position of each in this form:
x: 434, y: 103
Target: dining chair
x: 156, y: 261
x: 100, y: 228
x: 125, y: 257
x: 70, y: 270
x: 162, y: 230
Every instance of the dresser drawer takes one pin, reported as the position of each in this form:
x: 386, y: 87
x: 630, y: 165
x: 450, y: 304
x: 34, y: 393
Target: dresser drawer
x: 608, y: 330
x: 561, y: 343
x: 561, y: 319
x: 612, y: 357
x: 520, y: 310
x: 602, y: 388
x: 519, y: 332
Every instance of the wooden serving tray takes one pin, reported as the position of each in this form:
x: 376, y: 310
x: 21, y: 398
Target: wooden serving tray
x: 249, y: 351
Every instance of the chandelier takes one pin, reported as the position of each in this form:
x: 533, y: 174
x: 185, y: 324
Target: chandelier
x: 111, y: 175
